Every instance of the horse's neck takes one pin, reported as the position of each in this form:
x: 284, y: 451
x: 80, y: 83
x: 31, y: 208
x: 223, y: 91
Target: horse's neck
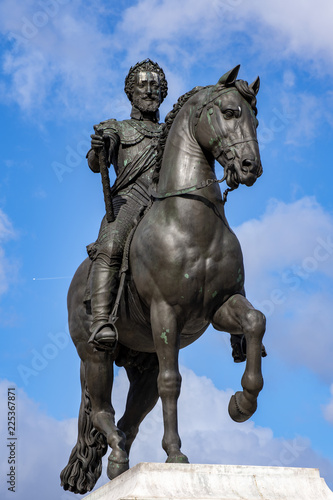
x: 184, y: 163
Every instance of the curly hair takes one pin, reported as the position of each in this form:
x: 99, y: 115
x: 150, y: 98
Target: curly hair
x: 146, y: 65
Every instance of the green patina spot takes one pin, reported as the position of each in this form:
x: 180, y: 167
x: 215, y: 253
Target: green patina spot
x: 187, y: 276
x: 214, y: 294
x: 164, y: 336
x: 182, y: 296
x: 240, y: 276
x: 200, y: 291
x: 125, y: 162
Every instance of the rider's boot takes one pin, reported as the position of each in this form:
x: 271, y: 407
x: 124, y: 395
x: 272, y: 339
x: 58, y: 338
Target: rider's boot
x: 104, y: 286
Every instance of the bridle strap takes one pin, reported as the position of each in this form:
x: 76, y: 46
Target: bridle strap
x: 208, y: 182
x: 190, y: 189
x: 210, y: 98
x: 216, y: 152
x: 226, y: 147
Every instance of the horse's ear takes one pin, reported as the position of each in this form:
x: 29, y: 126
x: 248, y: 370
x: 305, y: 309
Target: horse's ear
x: 255, y: 85
x: 229, y: 78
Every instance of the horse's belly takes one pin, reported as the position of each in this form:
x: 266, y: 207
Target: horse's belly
x: 192, y: 332
x: 140, y: 338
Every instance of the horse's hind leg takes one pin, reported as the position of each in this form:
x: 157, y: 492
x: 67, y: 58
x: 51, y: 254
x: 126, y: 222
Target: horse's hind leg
x: 141, y: 399
x: 99, y: 378
x: 85, y: 463
x: 237, y: 316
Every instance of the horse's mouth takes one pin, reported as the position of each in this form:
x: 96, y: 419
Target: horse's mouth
x: 246, y: 177
x: 242, y: 175
x: 232, y: 178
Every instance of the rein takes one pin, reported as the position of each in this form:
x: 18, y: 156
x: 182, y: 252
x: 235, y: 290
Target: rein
x: 208, y: 182
x: 196, y: 187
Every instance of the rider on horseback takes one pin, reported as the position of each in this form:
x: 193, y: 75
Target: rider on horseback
x: 130, y: 145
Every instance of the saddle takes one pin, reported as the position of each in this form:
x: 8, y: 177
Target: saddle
x: 127, y: 297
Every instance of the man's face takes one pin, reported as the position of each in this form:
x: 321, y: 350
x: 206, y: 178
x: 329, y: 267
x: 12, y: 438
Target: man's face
x: 146, y: 94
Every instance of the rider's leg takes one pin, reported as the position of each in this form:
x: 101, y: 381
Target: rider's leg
x: 105, y: 271
x: 104, y: 284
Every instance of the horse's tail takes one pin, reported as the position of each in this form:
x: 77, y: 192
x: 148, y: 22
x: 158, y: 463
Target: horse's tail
x: 85, y: 462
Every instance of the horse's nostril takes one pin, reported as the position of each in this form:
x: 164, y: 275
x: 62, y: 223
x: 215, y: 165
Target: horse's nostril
x: 248, y: 165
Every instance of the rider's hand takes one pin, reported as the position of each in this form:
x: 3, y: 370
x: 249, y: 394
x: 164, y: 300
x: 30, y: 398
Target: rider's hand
x: 97, y: 143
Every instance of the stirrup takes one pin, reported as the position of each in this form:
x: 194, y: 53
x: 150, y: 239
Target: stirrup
x: 107, y: 340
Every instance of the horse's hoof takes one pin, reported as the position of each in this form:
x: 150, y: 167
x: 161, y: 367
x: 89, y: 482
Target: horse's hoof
x: 177, y: 458
x: 237, y: 411
x: 116, y: 468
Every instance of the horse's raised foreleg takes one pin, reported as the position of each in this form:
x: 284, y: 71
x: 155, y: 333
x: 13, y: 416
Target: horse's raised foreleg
x: 99, y: 379
x: 166, y: 336
x: 141, y: 399
x: 237, y: 316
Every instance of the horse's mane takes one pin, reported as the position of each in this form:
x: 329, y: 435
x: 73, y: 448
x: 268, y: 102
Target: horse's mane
x: 248, y: 93
x: 241, y: 85
x: 169, y: 119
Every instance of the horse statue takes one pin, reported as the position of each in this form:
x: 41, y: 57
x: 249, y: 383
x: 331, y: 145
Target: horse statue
x: 186, y: 272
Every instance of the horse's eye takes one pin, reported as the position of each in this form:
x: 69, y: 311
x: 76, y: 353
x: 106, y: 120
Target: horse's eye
x: 228, y: 113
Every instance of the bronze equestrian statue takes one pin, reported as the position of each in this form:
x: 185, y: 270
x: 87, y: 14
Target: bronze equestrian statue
x: 182, y: 271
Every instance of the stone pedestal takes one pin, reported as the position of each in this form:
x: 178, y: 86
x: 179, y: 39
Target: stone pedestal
x: 155, y: 481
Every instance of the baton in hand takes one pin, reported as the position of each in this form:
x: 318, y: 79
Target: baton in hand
x: 105, y: 181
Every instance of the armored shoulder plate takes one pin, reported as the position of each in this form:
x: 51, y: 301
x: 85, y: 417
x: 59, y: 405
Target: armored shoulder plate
x: 108, y: 126
x: 130, y: 131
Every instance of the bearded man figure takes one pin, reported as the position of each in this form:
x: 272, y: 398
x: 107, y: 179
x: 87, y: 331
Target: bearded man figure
x: 130, y: 146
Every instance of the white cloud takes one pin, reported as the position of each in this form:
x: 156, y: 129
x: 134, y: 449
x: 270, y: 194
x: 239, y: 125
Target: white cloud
x: 41, y: 449
x: 287, y: 234
x: 67, y: 56
x: 300, y: 27
x: 288, y: 256
x: 209, y: 435
x: 276, y: 24
x: 207, y: 432
x: 60, y: 59
x: 306, y: 112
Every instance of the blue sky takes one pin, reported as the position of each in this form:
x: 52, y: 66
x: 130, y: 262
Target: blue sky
x: 63, y: 64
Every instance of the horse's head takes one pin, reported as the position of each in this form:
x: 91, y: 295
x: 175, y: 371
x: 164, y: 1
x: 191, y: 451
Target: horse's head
x: 225, y: 126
